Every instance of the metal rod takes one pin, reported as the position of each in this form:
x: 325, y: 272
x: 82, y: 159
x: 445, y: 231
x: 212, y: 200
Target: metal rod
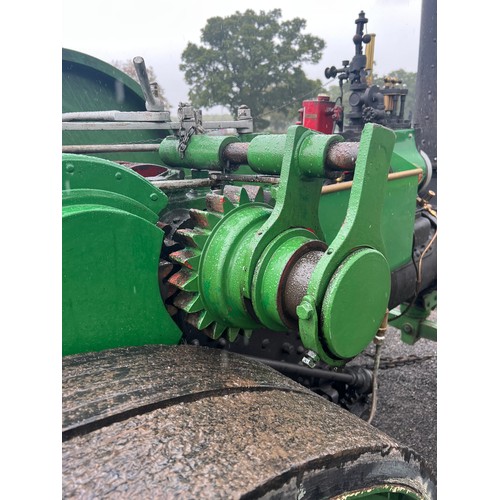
x: 264, y: 179
x: 240, y: 125
x: 117, y: 116
x: 119, y: 125
x: 306, y: 371
x: 183, y: 184
x: 342, y: 186
x: 340, y: 156
x: 110, y: 148
x: 140, y: 68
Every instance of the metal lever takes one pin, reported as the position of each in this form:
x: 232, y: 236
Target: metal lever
x: 152, y: 104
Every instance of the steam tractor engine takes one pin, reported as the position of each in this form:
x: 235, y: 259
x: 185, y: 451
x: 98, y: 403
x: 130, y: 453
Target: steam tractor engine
x: 199, y: 264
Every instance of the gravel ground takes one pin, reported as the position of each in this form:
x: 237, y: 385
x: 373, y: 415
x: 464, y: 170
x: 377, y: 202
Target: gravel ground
x: 407, y: 399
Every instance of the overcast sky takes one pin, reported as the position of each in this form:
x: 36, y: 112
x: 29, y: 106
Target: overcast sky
x: 160, y: 30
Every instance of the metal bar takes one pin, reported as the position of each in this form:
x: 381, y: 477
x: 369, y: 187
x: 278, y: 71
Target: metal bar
x: 342, y: 186
x: 152, y: 103
x: 183, y: 184
x: 109, y: 148
x: 304, y: 370
x: 236, y: 152
x: 342, y: 156
x: 265, y: 179
x: 243, y: 125
x: 120, y: 116
x: 121, y: 125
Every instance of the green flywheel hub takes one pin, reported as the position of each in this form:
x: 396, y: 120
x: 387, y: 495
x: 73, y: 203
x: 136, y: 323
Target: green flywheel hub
x: 355, y: 302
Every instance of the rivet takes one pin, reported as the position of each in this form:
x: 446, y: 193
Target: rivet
x: 118, y: 176
x: 70, y: 168
x: 153, y: 196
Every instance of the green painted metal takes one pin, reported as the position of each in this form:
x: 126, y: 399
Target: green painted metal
x: 89, y: 84
x: 405, y: 155
x: 243, y: 255
x: 398, y: 218
x: 387, y: 492
x: 297, y: 198
x: 224, y: 261
x: 110, y: 256
x: 361, y: 229
x: 414, y: 323
x: 204, y: 151
x: 355, y: 302
x: 265, y: 153
x: 267, y: 285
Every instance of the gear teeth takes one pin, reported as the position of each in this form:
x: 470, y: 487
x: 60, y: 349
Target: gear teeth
x: 218, y: 203
x: 201, y: 320
x: 232, y: 334
x: 236, y: 195
x: 188, y: 257
x: 218, y: 329
x: 189, y: 302
x: 185, y: 279
x: 164, y: 269
x: 194, y: 237
x: 255, y: 193
x: 205, y: 219
x: 205, y: 319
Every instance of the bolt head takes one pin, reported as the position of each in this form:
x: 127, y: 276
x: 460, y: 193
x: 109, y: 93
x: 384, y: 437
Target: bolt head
x: 310, y: 359
x: 304, y: 310
x: 407, y: 328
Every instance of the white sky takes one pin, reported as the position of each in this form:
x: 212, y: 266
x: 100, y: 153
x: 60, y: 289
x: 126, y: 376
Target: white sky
x: 159, y: 31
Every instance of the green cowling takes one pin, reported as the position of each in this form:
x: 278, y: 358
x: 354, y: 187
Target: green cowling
x: 110, y: 252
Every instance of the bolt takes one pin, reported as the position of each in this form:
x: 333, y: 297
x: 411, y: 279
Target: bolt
x: 407, y: 328
x: 287, y: 348
x: 304, y: 310
x: 70, y: 168
x: 118, y: 176
x: 310, y: 359
x: 153, y: 196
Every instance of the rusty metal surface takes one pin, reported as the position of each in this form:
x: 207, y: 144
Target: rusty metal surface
x: 342, y: 155
x: 236, y: 152
x: 297, y: 280
x: 253, y: 442
x: 119, y: 381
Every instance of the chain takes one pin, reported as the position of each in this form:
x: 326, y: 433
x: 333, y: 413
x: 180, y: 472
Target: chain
x: 187, y: 113
x: 183, y: 142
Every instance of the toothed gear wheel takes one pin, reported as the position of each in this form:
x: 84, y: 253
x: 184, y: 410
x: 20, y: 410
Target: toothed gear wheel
x: 188, y: 299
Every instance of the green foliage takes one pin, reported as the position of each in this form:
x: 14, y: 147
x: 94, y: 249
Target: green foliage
x: 128, y: 68
x: 253, y: 59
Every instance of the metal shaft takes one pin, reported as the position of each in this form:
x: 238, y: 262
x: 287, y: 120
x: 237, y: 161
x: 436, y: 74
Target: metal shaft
x: 142, y: 74
x: 109, y: 148
x: 340, y: 156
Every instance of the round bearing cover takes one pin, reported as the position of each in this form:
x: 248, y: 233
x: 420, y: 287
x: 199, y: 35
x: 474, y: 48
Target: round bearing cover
x: 355, y: 302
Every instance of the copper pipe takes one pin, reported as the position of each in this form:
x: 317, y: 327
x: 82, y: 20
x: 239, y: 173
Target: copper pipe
x: 342, y: 186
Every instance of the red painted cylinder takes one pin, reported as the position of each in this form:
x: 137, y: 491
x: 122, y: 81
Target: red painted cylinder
x: 320, y: 114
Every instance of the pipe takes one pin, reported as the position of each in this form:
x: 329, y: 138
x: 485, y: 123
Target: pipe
x: 109, y: 148
x: 342, y: 186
